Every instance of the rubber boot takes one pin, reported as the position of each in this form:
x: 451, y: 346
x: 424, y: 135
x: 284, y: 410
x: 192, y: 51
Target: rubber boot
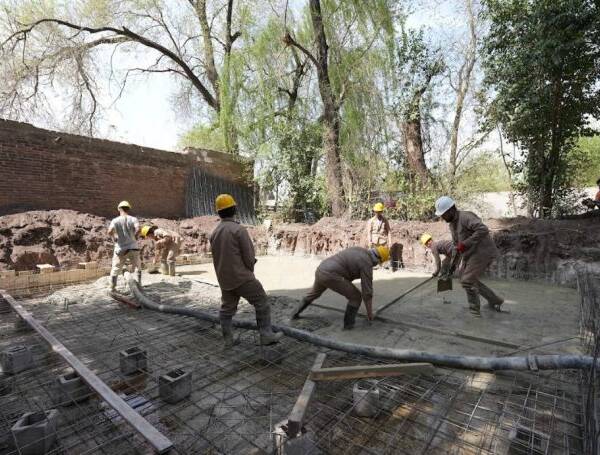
x: 263, y: 321
x: 494, y: 301
x: 350, y: 317
x: 172, y: 269
x: 300, y: 308
x: 113, y: 283
x: 227, y: 330
x: 139, y: 277
x: 474, y: 305
x: 164, y: 268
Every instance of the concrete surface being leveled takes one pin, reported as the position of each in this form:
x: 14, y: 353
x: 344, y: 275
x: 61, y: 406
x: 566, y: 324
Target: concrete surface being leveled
x: 237, y: 398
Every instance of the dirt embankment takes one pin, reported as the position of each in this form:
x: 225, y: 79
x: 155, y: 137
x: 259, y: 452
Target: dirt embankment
x: 529, y: 249
x: 66, y: 237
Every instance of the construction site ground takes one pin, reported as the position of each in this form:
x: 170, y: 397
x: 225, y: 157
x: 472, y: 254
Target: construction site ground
x: 238, y: 398
x: 535, y: 314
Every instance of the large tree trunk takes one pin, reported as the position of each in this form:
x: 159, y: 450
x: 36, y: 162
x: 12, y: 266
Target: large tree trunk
x: 413, y: 146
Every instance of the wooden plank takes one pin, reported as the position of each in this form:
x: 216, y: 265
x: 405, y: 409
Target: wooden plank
x: 297, y: 415
x: 369, y: 371
x: 156, y: 439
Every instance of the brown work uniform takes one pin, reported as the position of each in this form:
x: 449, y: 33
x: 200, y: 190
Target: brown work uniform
x: 444, y: 247
x: 479, y: 254
x: 378, y: 231
x: 338, y: 271
x: 168, y: 245
x: 234, y: 259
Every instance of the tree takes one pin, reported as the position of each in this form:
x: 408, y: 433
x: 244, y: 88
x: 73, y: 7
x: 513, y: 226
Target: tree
x: 417, y: 65
x: 542, y: 59
x: 49, y: 45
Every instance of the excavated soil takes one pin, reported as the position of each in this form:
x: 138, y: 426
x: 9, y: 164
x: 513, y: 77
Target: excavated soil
x: 550, y: 250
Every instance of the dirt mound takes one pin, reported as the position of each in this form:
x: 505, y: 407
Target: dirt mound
x: 66, y: 237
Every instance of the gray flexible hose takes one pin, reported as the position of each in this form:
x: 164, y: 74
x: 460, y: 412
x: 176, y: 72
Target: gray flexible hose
x: 532, y: 362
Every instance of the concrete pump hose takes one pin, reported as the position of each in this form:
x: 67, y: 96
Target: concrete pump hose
x: 533, y: 362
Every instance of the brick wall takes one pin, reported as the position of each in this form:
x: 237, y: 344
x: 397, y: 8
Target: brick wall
x: 41, y: 169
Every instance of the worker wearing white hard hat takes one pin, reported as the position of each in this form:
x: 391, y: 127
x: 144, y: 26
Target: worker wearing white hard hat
x: 477, y: 249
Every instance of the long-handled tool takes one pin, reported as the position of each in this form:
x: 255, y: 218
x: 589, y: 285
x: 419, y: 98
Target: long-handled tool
x: 387, y: 305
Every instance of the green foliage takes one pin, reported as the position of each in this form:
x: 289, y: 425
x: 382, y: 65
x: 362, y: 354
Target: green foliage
x: 541, y: 59
x: 585, y: 161
x: 484, y: 173
x: 204, y: 137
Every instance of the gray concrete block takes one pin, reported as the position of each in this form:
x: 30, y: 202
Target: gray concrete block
x: 300, y: 445
x: 71, y: 389
x: 35, y: 432
x: 133, y: 360
x: 7, y: 383
x: 16, y: 359
x: 366, y: 398
x: 175, y: 386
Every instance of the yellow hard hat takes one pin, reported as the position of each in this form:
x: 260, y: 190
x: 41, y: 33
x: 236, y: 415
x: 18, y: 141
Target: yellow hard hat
x: 145, y: 229
x: 383, y: 252
x: 224, y: 201
x: 425, y: 238
x: 378, y: 207
x: 125, y: 204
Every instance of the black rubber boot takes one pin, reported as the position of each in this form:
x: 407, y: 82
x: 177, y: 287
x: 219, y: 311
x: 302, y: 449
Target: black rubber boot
x: 113, y: 283
x: 350, y: 317
x: 227, y: 330
x: 263, y: 321
x: 474, y: 304
x: 300, y: 308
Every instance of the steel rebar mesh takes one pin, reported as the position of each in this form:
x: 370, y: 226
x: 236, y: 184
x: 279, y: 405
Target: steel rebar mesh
x: 237, y: 398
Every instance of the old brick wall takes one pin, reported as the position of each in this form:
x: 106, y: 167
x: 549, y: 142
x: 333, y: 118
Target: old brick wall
x: 41, y: 169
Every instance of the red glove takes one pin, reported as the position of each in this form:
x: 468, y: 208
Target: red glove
x: 461, y: 247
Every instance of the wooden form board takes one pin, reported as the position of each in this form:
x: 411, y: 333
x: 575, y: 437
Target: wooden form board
x: 156, y: 439
x: 297, y: 415
x: 369, y: 371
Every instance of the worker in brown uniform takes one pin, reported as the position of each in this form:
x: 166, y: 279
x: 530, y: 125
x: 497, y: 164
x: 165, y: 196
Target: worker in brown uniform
x: 437, y: 248
x: 167, y: 244
x: 337, y: 273
x: 233, y: 257
x: 477, y: 251
x: 378, y: 228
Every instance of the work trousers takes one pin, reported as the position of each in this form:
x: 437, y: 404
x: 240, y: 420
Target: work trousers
x: 339, y: 284
x: 169, y: 255
x: 120, y: 260
x: 471, y: 269
x: 252, y: 291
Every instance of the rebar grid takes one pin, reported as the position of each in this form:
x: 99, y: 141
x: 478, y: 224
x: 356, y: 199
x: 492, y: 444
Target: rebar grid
x: 238, y: 398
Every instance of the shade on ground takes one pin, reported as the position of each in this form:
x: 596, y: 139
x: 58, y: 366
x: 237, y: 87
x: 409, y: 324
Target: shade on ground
x: 537, y: 314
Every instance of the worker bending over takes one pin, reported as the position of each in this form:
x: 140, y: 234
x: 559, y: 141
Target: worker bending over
x: 167, y: 245
x: 337, y: 273
x: 378, y: 228
x: 476, y: 248
x: 124, y: 229
x: 233, y: 258
x: 437, y: 248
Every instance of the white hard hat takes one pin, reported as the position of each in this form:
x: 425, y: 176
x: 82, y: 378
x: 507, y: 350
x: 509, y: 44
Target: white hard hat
x: 443, y: 204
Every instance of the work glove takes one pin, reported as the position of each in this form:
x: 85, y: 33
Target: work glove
x: 461, y: 247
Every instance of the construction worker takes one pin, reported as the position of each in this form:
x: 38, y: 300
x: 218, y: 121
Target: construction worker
x: 167, y: 244
x: 378, y: 228
x: 337, y: 273
x: 444, y: 247
x: 593, y: 203
x: 124, y: 229
x: 233, y: 258
x: 476, y: 249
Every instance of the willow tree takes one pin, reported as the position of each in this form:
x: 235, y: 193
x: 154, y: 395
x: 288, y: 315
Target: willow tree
x: 65, y: 44
x: 339, y: 28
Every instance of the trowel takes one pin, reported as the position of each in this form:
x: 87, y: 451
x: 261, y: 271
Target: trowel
x: 445, y: 281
